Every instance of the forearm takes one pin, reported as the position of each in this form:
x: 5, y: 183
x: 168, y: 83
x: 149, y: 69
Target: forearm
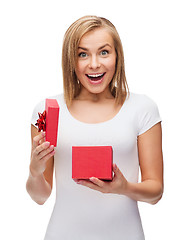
x: 38, y: 188
x: 149, y: 191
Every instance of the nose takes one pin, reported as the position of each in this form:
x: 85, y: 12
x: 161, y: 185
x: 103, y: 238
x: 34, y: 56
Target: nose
x: 94, y: 62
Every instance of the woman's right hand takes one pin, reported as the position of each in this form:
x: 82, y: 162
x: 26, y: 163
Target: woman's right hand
x: 41, y: 152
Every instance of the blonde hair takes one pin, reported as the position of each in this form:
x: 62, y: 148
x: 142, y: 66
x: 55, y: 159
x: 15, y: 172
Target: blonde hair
x: 118, y: 86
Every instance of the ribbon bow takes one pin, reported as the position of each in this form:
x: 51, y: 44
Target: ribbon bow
x: 41, y: 122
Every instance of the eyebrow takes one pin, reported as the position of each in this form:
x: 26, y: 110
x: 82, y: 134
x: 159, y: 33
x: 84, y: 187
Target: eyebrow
x: 98, y: 48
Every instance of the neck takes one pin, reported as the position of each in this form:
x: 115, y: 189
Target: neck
x: 94, y: 97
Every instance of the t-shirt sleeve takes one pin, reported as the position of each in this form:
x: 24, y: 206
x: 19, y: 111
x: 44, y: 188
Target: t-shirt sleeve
x: 40, y: 107
x: 148, y: 114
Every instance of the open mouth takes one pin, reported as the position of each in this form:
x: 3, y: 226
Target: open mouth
x: 95, y: 77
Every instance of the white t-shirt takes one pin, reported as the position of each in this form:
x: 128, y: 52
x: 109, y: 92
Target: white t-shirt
x: 81, y: 213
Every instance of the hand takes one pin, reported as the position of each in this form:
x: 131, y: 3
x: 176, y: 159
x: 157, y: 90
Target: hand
x: 42, y: 151
x: 118, y: 185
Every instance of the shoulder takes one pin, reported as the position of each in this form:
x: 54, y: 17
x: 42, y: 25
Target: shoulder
x: 145, y: 110
x: 58, y: 97
x: 140, y: 102
x: 40, y: 106
x: 140, y: 99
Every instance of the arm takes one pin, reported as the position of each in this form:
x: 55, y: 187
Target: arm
x: 151, y: 164
x: 39, y: 183
x: 150, y: 189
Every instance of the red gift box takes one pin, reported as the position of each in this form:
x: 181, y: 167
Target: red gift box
x: 92, y: 161
x: 52, y: 117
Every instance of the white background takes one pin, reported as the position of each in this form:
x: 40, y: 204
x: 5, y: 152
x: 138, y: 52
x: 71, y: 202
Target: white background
x: 154, y: 41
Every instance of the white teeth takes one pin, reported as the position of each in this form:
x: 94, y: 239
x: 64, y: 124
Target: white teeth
x: 94, y: 75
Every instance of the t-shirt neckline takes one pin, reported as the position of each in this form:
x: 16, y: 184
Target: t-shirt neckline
x: 94, y: 124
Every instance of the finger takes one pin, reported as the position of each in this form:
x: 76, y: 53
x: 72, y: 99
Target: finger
x: 41, y: 148
x: 116, y: 171
x: 75, y: 180
x: 97, y: 181
x: 46, y: 151
x: 48, y: 156
x: 37, y: 139
x: 89, y: 184
x: 41, y: 141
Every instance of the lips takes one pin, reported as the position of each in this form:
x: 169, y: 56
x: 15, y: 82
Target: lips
x: 95, y: 77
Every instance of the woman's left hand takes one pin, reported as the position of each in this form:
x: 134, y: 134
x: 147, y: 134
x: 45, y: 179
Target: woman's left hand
x: 118, y: 185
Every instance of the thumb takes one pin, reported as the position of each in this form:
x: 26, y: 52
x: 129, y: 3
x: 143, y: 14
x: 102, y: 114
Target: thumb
x: 116, y: 170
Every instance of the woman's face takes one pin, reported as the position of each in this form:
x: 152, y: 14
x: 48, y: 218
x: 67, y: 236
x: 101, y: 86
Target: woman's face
x: 96, y: 61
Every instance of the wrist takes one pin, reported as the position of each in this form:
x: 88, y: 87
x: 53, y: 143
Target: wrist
x: 147, y: 191
x: 34, y: 174
x: 128, y: 189
x: 131, y: 190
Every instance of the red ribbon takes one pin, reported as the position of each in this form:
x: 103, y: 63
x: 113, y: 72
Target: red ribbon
x: 41, y: 122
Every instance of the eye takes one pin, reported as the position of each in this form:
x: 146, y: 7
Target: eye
x: 82, y: 54
x: 104, y: 52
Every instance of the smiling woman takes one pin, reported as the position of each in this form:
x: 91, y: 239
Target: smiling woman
x: 97, y: 110
x: 96, y: 64
x: 79, y: 49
